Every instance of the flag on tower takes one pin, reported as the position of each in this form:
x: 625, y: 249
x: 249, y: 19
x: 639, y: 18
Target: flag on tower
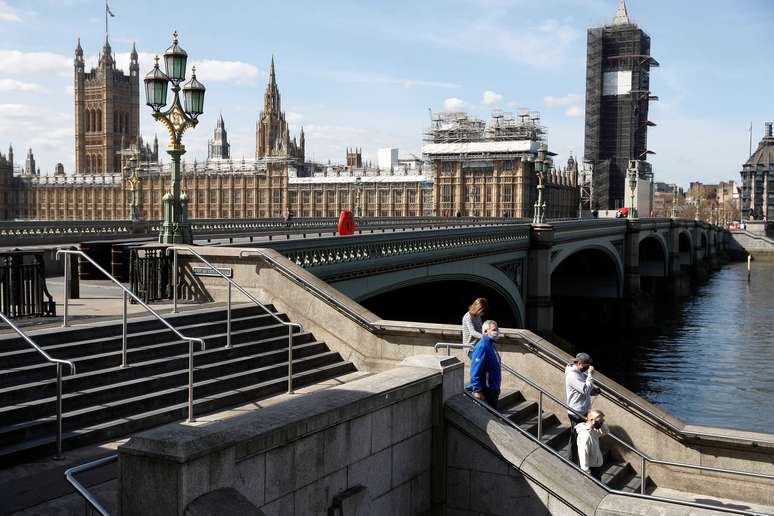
x: 107, y: 8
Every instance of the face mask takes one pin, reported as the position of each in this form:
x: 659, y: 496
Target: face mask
x: 494, y: 334
x: 598, y: 424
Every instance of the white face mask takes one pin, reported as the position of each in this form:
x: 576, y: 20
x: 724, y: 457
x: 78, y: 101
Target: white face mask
x: 494, y: 334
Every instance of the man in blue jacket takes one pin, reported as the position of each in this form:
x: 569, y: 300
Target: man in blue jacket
x: 485, y: 367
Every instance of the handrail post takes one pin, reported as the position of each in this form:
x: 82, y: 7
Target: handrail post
x: 540, y: 415
x: 642, y: 474
x: 174, y: 280
x: 124, y: 337
x: 58, y: 455
x: 65, y: 322
x: 228, y: 318
x: 290, y: 360
x: 190, y: 380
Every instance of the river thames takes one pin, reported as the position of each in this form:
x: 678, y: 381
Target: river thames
x: 710, y: 361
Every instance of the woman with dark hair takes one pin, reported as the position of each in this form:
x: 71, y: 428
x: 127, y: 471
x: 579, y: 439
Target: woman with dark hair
x: 471, y: 322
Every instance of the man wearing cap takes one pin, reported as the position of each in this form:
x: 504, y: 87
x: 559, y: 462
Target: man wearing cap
x: 579, y: 385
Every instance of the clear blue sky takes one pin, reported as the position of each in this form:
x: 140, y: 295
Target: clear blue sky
x: 365, y: 73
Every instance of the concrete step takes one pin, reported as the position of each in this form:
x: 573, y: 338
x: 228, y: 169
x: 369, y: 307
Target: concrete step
x: 616, y: 474
x: 556, y: 436
x: 82, y: 381
x: 144, y: 381
x: 509, y: 398
x: 70, y: 350
x: 204, y: 402
x: 521, y: 411
x: 149, y: 399
x: 54, y: 336
x: 86, y: 363
x: 530, y: 425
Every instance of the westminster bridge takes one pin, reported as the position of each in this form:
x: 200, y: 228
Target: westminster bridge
x: 566, y: 271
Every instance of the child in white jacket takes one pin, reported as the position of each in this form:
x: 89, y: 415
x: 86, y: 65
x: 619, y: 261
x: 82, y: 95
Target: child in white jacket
x: 589, y: 452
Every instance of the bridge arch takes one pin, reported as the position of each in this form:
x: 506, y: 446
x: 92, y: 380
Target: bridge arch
x: 654, y: 255
x: 605, y: 250
x: 587, y: 292
x: 685, y: 249
x: 449, y: 295
x: 704, y: 243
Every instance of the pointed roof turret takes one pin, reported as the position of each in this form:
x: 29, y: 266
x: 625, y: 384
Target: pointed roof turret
x: 78, y: 48
x: 134, y: 50
x: 621, y: 14
x: 272, y: 78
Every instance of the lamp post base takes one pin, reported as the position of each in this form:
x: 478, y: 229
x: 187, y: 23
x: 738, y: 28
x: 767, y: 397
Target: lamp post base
x: 175, y: 234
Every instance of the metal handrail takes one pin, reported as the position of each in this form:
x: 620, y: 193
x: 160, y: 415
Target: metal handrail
x: 644, y: 458
x: 87, y: 496
x: 561, y: 362
x: 290, y: 325
x: 604, y: 486
x: 316, y: 290
x: 127, y: 292
x: 59, y: 363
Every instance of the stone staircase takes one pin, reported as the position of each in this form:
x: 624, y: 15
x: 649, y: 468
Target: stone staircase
x: 104, y: 401
x: 616, y: 474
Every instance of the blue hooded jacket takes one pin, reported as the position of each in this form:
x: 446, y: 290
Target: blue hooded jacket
x: 484, y: 366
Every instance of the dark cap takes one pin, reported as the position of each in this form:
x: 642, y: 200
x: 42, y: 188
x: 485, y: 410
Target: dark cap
x: 582, y: 358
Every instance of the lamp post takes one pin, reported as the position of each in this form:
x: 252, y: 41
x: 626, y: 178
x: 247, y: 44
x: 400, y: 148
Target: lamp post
x: 179, y: 117
x: 133, y: 178
x: 540, y: 164
x: 698, y: 209
x: 472, y: 198
x: 358, y: 191
x: 632, y: 186
x: 674, y: 201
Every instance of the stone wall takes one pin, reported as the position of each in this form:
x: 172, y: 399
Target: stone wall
x: 383, y: 344
x: 376, y: 435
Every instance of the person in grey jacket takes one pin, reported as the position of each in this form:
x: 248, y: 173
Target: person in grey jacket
x: 579, y: 387
x: 471, y: 322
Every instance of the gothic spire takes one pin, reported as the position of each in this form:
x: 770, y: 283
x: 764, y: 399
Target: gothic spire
x: 621, y: 15
x: 272, y: 78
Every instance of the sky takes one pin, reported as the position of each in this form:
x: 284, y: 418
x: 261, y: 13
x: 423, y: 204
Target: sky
x: 366, y: 74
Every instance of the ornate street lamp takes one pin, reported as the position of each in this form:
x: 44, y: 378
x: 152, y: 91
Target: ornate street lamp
x: 132, y: 177
x: 632, y: 186
x: 540, y: 165
x: 698, y: 209
x: 674, y: 201
x: 358, y: 191
x: 179, y: 117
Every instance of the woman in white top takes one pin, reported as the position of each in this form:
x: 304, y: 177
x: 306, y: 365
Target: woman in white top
x: 589, y: 452
x: 471, y: 322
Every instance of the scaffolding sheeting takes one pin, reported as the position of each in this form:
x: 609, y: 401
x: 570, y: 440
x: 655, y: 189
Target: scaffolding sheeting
x: 458, y: 127
x: 485, y: 147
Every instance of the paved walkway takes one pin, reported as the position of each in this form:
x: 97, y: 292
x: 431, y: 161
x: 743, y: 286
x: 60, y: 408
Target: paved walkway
x: 100, y: 300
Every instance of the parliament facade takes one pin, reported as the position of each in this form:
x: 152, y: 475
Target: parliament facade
x: 489, y: 171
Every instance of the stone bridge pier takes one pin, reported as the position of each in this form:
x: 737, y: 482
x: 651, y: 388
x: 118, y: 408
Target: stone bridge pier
x: 613, y: 272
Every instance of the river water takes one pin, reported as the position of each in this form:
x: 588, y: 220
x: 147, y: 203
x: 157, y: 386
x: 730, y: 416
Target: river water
x: 711, y: 362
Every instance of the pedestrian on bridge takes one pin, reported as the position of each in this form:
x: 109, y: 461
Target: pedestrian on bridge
x: 485, y: 371
x: 579, y: 386
x: 471, y: 323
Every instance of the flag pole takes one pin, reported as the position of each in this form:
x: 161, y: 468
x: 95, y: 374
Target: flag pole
x: 750, y: 139
x: 106, y: 20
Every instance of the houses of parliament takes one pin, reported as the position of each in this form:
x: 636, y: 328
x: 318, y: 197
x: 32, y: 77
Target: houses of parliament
x: 486, y: 172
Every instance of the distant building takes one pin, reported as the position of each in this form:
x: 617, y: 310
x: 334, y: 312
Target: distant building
x: 488, y: 170
x: 354, y: 158
x: 218, y: 147
x: 618, y: 67
x: 387, y: 158
x: 272, y: 136
x: 664, y: 199
x: 757, y: 180
x: 29, y: 164
x: 107, y: 111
